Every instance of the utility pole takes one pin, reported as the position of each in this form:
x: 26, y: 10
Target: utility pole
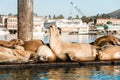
x: 25, y: 19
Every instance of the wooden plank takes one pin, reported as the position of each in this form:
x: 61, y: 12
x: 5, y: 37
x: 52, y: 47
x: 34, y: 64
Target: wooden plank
x: 25, y: 19
x: 56, y: 64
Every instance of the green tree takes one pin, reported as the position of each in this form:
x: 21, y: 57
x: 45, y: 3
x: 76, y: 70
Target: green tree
x: 70, y: 18
x: 85, y: 19
x: 60, y: 16
x: 91, y: 19
x: 77, y: 17
x: 10, y: 14
x: 49, y: 16
x: 35, y: 14
x: 54, y: 17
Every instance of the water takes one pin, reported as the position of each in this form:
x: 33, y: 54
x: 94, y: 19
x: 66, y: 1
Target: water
x: 80, y: 73
x: 94, y: 72
x: 68, y: 38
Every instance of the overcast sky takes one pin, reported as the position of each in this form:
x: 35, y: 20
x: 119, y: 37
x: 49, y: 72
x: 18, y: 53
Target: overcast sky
x: 57, y: 7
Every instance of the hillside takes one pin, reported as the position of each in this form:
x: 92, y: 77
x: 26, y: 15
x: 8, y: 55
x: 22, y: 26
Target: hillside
x: 115, y: 14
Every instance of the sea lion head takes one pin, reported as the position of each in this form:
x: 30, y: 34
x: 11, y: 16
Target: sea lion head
x: 54, y: 31
x: 16, y: 42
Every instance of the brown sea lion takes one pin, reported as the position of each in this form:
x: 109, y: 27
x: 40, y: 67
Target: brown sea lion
x: 106, y: 40
x: 14, y: 55
x: 75, y: 51
x: 11, y: 43
x: 112, y: 53
x: 45, y: 54
x: 32, y: 45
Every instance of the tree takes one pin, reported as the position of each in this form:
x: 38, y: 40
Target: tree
x: 77, y: 17
x: 70, y: 18
x: 60, y: 16
x: 10, y: 14
x: 85, y: 19
x: 35, y: 14
x: 54, y: 17
x: 49, y: 16
x: 91, y: 19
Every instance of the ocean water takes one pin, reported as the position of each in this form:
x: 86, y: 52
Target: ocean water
x: 64, y: 37
x: 79, y: 73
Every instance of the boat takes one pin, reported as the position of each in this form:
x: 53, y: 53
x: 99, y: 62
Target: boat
x: 4, y: 31
x: 109, y: 29
x: 38, y: 31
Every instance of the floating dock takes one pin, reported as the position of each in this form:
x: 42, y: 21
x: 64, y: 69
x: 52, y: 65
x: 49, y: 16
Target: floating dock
x: 56, y: 64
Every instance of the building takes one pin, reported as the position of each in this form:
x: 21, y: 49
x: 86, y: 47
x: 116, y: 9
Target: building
x: 10, y: 22
x: 67, y: 26
x: 3, y: 19
x: 39, y: 22
x: 104, y: 21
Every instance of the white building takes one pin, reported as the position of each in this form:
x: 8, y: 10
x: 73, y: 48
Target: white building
x: 104, y: 21
x: 10, y: 22
x: 3, y: 19
x: 75, y: 25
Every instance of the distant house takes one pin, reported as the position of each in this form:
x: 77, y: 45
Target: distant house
x: 67, y: 26
x: 39, y: 22
x: 10, y: 22
x: 3, y: 19
x: 104, y: 21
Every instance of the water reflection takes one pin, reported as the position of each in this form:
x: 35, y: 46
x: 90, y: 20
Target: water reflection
x: 107, y: 73
x: 81, y: 73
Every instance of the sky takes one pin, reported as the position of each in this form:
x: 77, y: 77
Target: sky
x: 57, y: 7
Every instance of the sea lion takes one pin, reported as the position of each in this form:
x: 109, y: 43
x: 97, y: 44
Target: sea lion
x: 45, y: 54
x: 32, y: 45
x: 14, y: 55
x: 112, y: 53
x: 11, y: 43
x: 75, y: 51
x: 106, y: 40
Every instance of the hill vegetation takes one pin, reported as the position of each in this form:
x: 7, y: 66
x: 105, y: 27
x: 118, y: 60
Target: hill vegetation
x: 114, y: 14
